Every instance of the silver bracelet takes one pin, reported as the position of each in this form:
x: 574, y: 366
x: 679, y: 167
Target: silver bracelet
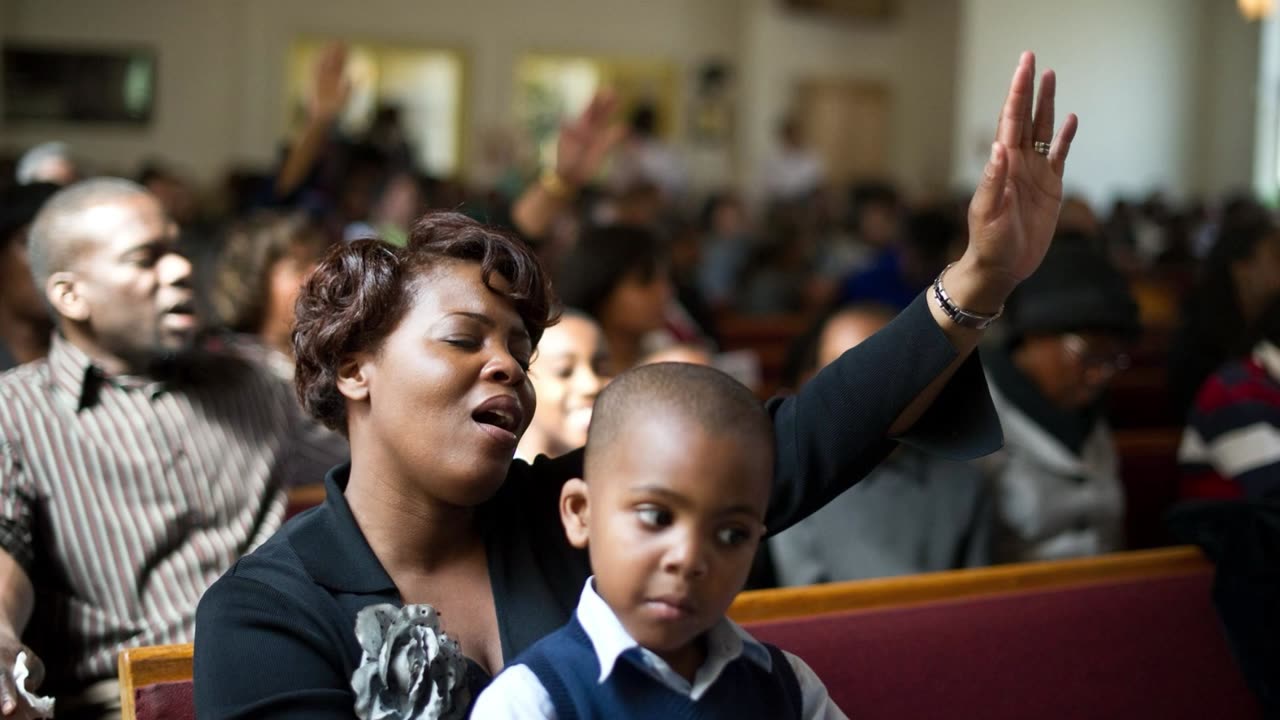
x: 959, y: 315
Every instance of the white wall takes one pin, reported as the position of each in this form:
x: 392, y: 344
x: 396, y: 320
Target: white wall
x: 1124, y: 67
x: 492, y: 34
x: 197, y: 109
x: 222, y: 62
x: 1229, y: 52
x: 1164, y: 90
x: 1163, y: 87
x: 912, y: 54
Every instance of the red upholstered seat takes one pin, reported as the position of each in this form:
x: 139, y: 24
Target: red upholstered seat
x: 165, y: 701
x: 1147, y: 648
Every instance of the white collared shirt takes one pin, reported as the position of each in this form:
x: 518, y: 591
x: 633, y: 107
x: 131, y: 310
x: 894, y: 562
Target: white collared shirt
x: 517, y: 694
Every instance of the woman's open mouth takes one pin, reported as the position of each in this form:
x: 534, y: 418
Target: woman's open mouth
x: 500, y: 417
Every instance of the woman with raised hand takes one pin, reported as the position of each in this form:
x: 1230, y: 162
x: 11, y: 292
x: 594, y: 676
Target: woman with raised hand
x: 420, y: 354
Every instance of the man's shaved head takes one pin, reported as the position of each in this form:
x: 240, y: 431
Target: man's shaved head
x: 59, y: 230
x: 671, y: 392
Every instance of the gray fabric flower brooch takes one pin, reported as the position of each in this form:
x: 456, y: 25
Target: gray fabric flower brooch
x: 410, y: 669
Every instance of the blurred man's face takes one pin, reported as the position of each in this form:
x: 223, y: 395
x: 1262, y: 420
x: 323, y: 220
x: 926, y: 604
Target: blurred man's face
x: 135, y: 285
x: 1072, y: 370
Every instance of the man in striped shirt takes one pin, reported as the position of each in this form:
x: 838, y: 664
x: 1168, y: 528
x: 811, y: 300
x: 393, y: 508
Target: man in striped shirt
x: 134, y: 469
x: 1231, y: 445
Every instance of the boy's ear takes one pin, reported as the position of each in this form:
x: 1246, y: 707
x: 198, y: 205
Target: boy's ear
x: 575, y: 511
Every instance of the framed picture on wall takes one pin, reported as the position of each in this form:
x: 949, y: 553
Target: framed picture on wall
x: 44, y: 83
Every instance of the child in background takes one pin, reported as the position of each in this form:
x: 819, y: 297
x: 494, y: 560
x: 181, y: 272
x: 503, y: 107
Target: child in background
x: 671, y: 509
x: 570, y: 368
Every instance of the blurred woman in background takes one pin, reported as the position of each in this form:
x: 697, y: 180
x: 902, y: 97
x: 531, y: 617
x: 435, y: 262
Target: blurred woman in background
x: 263, y: 263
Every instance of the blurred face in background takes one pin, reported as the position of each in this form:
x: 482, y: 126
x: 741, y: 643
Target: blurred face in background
x: 728, y: 219
x: 401, y: 202
x: 847, y: 329
x: 878, y: 224
x: 1072, y: 369
x: 1257, y: 278
x: 128, y: 291
x: 638, y: 303
x: 284, y: 280
x: 569, y: 370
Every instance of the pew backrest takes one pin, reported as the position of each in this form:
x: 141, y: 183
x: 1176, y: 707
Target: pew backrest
x: 156, y: 682
x: 1136, y: 638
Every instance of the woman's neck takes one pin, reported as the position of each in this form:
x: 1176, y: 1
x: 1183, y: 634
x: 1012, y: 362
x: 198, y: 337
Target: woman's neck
x: 25, y: 340
x: 411, y: 533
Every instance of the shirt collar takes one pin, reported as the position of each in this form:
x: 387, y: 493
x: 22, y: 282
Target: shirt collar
x: 331, y: 546
x: 72, y: 372
x: 726, y: 642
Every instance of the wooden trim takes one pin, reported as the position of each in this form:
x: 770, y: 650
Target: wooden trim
x: 305, y: 496
x: 1147, y: 440
x: 143, y: 666
x: 781, y: 603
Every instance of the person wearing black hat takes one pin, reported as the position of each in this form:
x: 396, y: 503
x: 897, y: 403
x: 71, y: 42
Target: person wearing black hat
x: 1058, y: 492
x: 25, y: 322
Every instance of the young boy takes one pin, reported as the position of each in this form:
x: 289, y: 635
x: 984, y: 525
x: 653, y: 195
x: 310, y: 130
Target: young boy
x: 677, y: 475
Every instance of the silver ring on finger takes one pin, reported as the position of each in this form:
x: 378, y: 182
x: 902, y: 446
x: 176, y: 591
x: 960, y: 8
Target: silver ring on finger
x: 1041, y: 147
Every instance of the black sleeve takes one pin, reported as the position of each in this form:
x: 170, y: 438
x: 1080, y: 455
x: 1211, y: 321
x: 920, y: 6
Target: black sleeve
x: 260, y: 653
x: 835, y: 430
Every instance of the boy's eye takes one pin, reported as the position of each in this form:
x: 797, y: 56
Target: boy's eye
x: 732, y: 536
x: 654, y: 517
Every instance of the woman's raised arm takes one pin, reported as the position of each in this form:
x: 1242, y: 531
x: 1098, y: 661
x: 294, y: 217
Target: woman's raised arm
x: 917, y: 380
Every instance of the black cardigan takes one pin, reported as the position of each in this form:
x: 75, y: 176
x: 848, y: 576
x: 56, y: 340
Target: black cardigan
x: 275, y: 635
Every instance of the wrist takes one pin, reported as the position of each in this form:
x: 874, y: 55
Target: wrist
x: 555, y: 185
x: 978, y: 288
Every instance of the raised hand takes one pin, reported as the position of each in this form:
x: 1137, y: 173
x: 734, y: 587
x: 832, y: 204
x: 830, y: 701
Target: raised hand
x: 1015, y: 209
x: 585, y: 141
x: 330, y: 87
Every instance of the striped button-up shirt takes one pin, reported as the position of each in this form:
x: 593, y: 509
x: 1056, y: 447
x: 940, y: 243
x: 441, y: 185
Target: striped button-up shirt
x: 125, y: 498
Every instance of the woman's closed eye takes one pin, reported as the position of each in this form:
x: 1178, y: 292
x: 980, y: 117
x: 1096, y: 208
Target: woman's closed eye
x: 654, y: 517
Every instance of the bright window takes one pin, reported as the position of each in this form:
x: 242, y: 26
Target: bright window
x: 426, y: 84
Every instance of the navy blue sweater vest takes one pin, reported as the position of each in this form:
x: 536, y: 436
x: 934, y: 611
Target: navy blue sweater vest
x: 566, y: 665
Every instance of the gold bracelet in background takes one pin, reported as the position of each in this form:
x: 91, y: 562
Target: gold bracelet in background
x: 555, y: 186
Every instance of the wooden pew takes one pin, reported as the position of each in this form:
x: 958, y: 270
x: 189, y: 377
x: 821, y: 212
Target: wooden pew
x: 303, y: 497
x: 781, y: 603
x: 1122, y: 636
x: 155, y: 682
x: 768, y: 337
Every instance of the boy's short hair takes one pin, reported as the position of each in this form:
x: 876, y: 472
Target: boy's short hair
x: 703, y: 395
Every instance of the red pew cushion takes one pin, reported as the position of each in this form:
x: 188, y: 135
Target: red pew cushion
x: 166, y: 701
x: 1132, y: 649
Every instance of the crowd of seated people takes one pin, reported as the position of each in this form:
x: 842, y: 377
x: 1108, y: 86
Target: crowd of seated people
x: 165, y: 396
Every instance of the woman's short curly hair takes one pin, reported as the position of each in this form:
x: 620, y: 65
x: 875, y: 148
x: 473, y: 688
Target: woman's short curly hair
x: 361, y: 290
